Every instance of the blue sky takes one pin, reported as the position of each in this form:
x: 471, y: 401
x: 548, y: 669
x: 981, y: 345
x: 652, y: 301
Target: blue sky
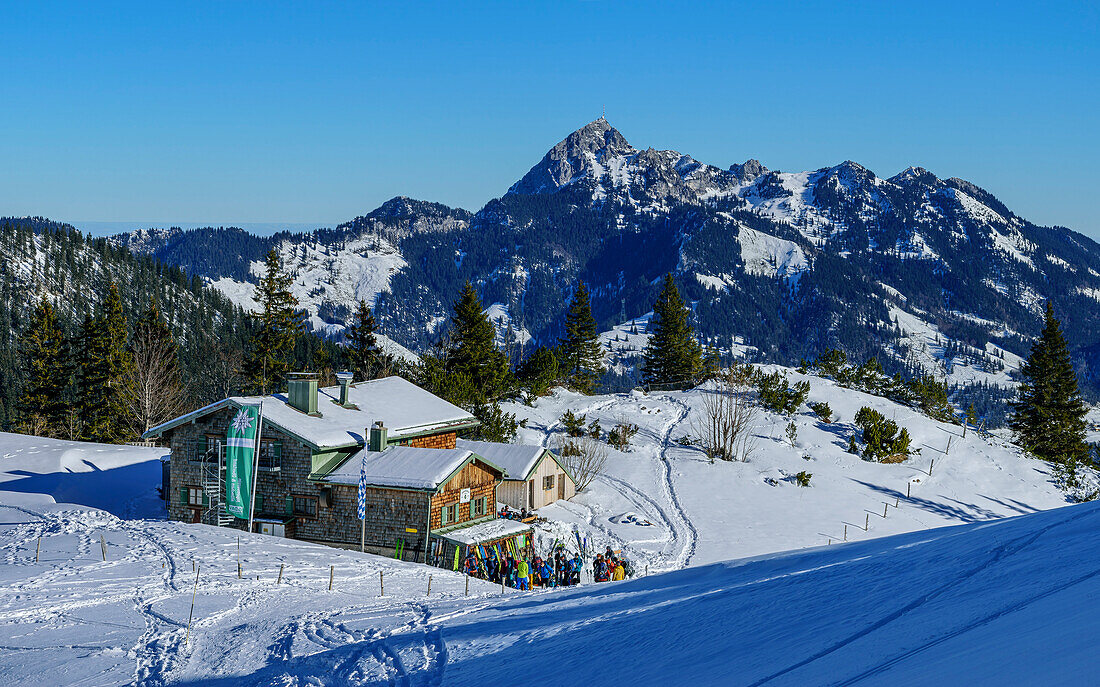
x: 316, y: 112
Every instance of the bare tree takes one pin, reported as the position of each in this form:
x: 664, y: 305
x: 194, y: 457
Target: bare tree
x: 154, y: 389
x: 583, y: 457
x: 221, y: 376
x: 729, y: 417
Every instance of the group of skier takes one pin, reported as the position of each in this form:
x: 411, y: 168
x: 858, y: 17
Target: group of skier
x: 558, y: 569
x: 608, y: 567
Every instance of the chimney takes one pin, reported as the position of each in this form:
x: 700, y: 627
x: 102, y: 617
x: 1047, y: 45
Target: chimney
x: 302, y: 392
x: 344, y: 378
x: 377, y: 433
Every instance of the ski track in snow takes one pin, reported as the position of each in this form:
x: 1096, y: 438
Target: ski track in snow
x: 687, y: 550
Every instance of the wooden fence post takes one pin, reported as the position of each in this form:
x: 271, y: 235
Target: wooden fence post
x: 39, y: 549
x: 187, y: 636
x: 467, y: 585
x: 908, y: 485
x: 103, y: 545
x: 930, y: 465
x: 331, y: 572
x: 866, y: 521
x: 845, y: 531
x: 429, y: 585
x: 381, y: 585
x: 884, y: 507
x: 280, y: 579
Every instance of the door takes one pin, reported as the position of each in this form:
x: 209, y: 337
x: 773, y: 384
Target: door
x: 531, y: 493
x: 561, y: 486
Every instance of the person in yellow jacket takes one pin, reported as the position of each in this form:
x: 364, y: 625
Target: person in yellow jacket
x: 620, y: 572
x: 523, y: 572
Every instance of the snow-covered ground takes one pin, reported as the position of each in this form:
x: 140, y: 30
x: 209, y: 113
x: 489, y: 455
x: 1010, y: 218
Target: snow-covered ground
x: 700, y: 512
x: 1007, y: 602
x: 737, y: 602
x: 120, y: 479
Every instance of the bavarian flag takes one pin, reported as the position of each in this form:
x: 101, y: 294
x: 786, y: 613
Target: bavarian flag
x: 240, y: 446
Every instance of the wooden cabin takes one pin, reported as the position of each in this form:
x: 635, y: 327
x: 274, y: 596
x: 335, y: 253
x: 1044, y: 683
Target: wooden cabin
x: 533, y: 475
x: 306, y: 434
x: 446, y: 497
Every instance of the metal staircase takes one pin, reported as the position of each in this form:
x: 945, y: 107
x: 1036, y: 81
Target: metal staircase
x: 213, y: 485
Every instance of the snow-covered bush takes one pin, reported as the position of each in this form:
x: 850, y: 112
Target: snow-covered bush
x: 573, y: 424
x: 777, y: 395
x: 882, y: 439
x: 823, y: 411
x: 620, y: 435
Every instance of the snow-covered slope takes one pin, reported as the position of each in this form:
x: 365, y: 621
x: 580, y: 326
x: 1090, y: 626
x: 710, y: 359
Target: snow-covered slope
x: 1006, y: 602
x: 699, y: 512
x: 120, y: 479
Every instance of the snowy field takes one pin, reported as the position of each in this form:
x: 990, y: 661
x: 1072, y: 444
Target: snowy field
x: 698, y: 512
x: 120, y: 479
x: 108, y: 600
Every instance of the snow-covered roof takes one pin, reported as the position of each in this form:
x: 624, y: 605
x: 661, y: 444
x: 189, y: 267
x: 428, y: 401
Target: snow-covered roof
x: 406, y: 467
x: 486, y: 531
x: 517, y: 460
x: 403, y: 407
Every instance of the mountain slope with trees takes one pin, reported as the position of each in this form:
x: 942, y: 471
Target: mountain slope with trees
x: 789, y: 265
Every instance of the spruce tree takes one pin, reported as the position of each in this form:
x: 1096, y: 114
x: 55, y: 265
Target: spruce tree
x: 1049, y: 417
x: 364, y: 356
x: 41, y: 404
x: 580, y: 349
x: 672, y: 356
x: 106, y: 367
x: 472, y: 353
x: 277, y: 327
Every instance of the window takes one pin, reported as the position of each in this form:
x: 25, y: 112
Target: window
x: 305, y: 506
x: 548, y: 483
x: 194, y: 496
x: 206, y: 448
x: 449, y: 514
x: 271, y: 456
x: 477, y: 507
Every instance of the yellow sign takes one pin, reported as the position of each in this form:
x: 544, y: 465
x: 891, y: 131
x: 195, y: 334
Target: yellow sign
x: 410, y: 530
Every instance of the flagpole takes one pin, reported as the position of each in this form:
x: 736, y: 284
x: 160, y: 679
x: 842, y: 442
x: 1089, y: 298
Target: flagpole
x: 255, y: 467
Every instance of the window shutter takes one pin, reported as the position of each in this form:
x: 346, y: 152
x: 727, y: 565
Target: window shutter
x: 277, y: 455
x: 183, y: 494
x: 443, y: 513
x: 205, y: 499
x: 290, y: 505
x: 259, y: 502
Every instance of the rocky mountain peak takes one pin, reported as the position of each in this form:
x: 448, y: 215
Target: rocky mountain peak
x: 748, y: 170
x: 574, y: 157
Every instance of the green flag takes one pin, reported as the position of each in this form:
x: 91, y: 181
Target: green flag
x: 240, y: 447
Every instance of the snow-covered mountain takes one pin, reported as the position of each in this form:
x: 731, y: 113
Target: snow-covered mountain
x: 786, y: 264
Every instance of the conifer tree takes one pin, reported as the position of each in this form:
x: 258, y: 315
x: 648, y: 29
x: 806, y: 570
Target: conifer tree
x: 41, y: 405
x: 277, y: 327
x: 472, y: 351
x: 672, y: 356
x: 580, y: 349
x: 106, y: 366
x: 364, y: 356
x: 1049, y: 417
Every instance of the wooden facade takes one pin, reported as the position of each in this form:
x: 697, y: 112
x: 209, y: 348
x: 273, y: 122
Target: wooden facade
x: 546, y: 483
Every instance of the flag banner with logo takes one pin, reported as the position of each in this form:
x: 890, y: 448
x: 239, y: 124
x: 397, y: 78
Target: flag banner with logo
x: 240, y: 447
x: 363, y: 488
